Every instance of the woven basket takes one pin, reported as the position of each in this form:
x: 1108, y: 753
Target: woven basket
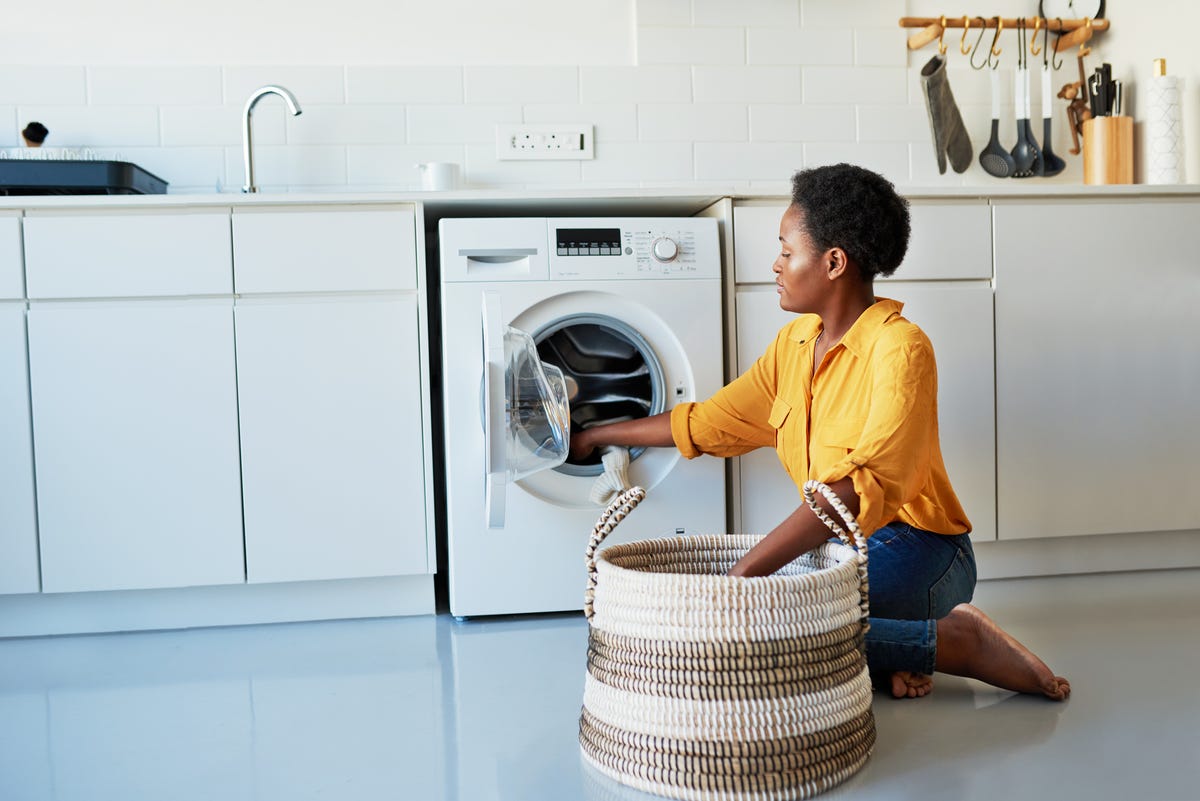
x: 706, y: 686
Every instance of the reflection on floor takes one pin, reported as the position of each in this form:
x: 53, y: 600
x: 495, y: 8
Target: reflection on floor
x: 428, y: 708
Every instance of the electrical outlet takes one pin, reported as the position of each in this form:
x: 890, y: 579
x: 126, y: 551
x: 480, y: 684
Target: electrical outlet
x: 521, y: 142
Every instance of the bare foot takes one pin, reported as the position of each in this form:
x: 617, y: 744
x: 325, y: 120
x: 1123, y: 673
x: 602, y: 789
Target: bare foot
x: 911, y: 685
x: 971, y: 644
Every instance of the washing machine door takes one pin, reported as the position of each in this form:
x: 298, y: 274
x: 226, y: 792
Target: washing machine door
x: 526, y: 417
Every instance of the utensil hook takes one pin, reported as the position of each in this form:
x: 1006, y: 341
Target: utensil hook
x: 1034, y: 50
x: 942, y: 37
x: 963, y: 47
x: 978, y: 41
x: 1057, y: 63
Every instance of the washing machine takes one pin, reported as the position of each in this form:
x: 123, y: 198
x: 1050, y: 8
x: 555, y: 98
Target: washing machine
x: 550, y: 326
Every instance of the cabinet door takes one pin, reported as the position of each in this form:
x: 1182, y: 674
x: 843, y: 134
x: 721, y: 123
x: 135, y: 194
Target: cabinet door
x: 332, y: 446
x: 18, y: 523
x: 112, y: 254
x: 324, y: 249
x: 1097, y: 367
x: 957, y: 318
x: 950, y: 240
x: 135, y: 432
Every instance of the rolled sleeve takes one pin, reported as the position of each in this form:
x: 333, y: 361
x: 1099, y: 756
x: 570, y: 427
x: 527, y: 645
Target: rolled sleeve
x: 681, y: 430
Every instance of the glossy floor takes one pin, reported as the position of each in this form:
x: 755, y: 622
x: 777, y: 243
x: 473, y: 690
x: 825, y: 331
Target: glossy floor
x: 428, y: 708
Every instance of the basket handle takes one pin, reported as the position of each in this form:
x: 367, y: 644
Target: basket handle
x: 851, y: 535
x: 623, y: 504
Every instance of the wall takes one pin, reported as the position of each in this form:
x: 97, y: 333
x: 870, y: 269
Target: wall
x: 680, y: 91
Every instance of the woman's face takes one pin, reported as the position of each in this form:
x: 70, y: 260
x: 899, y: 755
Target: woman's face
x: 800, y: 269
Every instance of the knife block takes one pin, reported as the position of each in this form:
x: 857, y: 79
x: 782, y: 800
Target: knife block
x: 1108, y: 150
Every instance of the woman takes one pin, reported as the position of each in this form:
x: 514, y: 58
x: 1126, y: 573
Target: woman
x: 847, y: 394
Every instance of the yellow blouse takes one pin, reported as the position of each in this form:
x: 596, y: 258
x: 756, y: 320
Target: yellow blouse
x: 869, y: 412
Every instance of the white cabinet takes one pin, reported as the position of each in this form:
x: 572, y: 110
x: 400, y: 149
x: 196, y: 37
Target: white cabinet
x: 1097, y: 367
x: 332, y: 439
x: 956, y: 315
x: 333, y: 390
x: 18, y: 522
x: 106, y: 254
x: 325, y: 249
x: 135, y: 425
x: 950, y: 240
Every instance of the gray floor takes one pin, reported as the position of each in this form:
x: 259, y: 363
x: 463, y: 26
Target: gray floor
x: 427, y: 708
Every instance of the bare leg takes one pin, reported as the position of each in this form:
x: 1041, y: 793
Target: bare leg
x: 906, y: 684
x: 969, y: 643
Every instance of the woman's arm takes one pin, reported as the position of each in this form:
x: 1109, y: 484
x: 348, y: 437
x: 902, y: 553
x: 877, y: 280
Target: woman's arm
x: 654, y: 431
x: 798, y: 534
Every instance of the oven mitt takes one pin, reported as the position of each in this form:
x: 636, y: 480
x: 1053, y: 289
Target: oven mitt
x: 615, y: 478
x: 949, y: 134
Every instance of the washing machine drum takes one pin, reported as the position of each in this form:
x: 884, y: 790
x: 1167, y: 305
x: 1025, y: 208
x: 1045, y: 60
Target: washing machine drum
x: 611, y: 375
x: 537, y: 417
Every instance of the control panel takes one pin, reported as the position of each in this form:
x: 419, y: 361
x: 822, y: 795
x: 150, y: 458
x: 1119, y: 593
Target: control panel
x: 652, y: 247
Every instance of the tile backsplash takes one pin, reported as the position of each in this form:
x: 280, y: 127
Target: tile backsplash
x: 736, y: 94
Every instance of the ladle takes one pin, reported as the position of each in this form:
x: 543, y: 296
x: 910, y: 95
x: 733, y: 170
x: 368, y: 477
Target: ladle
x: 1025, y: 151
x: 994, y: 159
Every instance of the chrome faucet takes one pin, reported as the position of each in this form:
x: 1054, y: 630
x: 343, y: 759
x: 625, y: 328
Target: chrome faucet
x: 247, y: 152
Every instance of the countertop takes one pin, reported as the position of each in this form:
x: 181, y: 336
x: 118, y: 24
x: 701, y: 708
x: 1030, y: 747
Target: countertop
x: 562, y: 201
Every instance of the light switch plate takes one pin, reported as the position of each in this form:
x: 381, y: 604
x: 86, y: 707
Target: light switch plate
x: 524, y: 142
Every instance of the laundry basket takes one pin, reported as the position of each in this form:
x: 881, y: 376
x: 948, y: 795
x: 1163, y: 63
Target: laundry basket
x: 706, y: 686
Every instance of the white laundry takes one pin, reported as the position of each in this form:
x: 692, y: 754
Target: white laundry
x: 615, y: 477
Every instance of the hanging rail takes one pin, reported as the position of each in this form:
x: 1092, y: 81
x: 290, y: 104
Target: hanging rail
x: 1080, y: 30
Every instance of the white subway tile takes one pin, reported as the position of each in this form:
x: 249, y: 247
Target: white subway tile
x: 747, y: 84
x: 161, y: 85
x: 748, y: 161
x: 883, y: 47
x: 43, y: 86
x: 840, y: 13
x: 688, y: 122
x: 483, y: 170
x: 219, y: 125
x: 359, y: 124
x: 748, y: 12
x: 800, y: 123
x: 800, y: 46
x: 280, y: 166
x: 404, y: 84
x: 663, y: 12
x: 395, y: 165
x: 908, y: 123
x: 10, y: 131
x: 613, y: 122
x: 308, y: 84
x: 96, y: 126
x: 651, y: 84
x: 890, y: 159
x: 459, y: 124
x: 540, y: 84
x: 183, y: 168
x: 641, y: 162
x: 691, y: 46
x: 855, y: 85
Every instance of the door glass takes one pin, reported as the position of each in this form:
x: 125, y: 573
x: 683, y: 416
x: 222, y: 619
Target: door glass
x: 538, y: 424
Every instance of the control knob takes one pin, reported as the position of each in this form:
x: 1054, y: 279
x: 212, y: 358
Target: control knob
x: 664, y: 249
